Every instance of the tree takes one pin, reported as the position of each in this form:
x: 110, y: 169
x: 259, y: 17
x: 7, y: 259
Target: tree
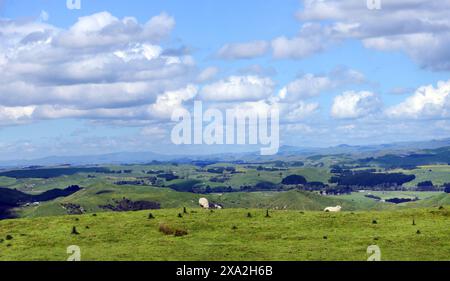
x: 294, y: 180
x: 447, y: 188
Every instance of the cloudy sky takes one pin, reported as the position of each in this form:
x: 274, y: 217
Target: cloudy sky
x: 107, y: 77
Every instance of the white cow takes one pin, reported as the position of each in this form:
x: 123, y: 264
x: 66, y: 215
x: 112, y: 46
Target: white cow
x: 204, y: 203
x: 333, y: 209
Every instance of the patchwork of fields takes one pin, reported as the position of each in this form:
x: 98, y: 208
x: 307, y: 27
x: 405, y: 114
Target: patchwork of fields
x: 107, y: 212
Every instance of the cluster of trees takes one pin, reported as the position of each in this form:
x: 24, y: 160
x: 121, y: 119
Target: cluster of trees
x: 221, y: 170
x: 447, y: 188
x: 368, y: 179
x: 294, y: 180
x: 50, y: 172
x: 168, y: 176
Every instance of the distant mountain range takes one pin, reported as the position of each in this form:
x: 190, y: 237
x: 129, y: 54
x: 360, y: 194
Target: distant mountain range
x: 285, y: 151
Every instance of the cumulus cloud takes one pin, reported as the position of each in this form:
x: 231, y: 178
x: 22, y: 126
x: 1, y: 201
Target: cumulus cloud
x: 352, y: 104
x: 207, y: 74
x: 311, y: 85
x: 238, y: 88
x: 305, y: 87
x: 100, y: 67
x: 311, y: 39
x: 426, y: 102
x: 168, y: 102
x: 298, y: 111
x: 104, y: 30
x: 246, y: 50
x: 419, y: 28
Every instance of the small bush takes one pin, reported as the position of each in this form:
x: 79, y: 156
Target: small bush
x: 441, y: 208
x: 180, y: 232
x: 180, y: 215
x: 94, y: 215
x: 234, y: 227
x: 9, y: 237
x: 87, y: 227
x: 325, y: 237
x: 418, y: 232
x: 74, y: 231
x: 167, y: 230
x: 184, y: 210
x: 374, y: 222
x: 249, y: 215
x: 150, y: 216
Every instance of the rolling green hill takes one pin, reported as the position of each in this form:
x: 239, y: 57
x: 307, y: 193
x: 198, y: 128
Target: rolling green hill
x: 230, y: 234
x: 92, y: 197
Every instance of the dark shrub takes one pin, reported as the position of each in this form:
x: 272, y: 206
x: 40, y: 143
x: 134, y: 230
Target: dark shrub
x: 374, y: 222
x: 234, y: 227
x: 294, y: 180
x: 150, y: 216
x: 167, y: 230
x: 249, y: 215
x: 74, y: 231
x: 180, y: 232
x: 447, y: 188
x: 184, y: 210
x: 180, y: 215
x: 9, y: 237
x: 267, y: 214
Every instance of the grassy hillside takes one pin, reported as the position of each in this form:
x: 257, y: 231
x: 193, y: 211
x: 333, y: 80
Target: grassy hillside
x: 92, y: 197
x: 230, y: 235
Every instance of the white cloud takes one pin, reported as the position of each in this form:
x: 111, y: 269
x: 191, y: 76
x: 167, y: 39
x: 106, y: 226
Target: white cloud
x: 311, y: 40
x: 311, y: 85
x: 419, y: 28
x: 238, y: 88
x: 352, y: 104
x: 305, y: 87
x: 298, y: 111
x: 100, y: 67
x: 246, y: 50
x: 15, y: 115
x: 171, y: 101
x: 207, y: 74
x: 426, y: 102
x: 104, y: 30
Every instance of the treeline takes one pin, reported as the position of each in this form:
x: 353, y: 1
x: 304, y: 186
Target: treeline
x: 11, y: 198
x: 50, y: 172
x: 371, y: 179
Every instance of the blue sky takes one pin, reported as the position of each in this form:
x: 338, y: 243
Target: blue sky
x: 81, y: 81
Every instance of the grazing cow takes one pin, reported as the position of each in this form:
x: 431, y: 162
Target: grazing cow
x: 333, y: 209
x: 204, y: 203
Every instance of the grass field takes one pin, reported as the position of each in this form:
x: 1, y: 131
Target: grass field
x: 438, y: 174
x: 230, y: 235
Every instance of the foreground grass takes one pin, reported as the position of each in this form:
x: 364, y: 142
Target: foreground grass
x: 230, y: 235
